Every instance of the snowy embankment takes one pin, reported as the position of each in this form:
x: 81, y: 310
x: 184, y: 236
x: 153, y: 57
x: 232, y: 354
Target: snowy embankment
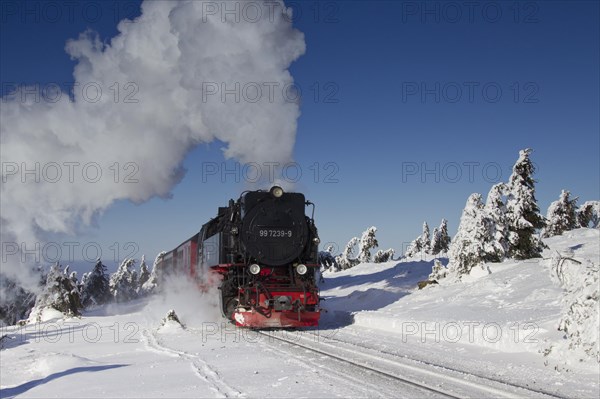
x: 109, y: 352
x: 501, y: 325
x: 510, y: 307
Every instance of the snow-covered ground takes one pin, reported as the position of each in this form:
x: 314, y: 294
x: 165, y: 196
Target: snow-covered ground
x: 501, y: 320
x: 491, y: 328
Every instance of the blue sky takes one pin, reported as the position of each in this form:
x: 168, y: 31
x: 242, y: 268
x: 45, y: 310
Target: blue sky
x: 389, y: 89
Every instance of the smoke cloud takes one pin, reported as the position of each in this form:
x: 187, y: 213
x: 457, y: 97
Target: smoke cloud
x: 181, y: 74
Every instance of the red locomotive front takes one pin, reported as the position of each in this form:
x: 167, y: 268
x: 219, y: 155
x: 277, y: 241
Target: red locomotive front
x: 265, y: 248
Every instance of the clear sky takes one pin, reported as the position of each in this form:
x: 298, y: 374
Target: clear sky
x: 407, y: 108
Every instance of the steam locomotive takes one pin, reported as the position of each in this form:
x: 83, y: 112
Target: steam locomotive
x: 262, y: 250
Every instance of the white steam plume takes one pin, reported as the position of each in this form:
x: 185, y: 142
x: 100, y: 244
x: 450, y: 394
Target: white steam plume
x: 175, y: 60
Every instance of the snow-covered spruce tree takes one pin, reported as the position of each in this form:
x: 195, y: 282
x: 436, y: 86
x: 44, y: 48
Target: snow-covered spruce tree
x: 523, y: 217
x: 414, y: 248
x: 588, y: 213
x: 384, y: 256
x: 96, y: 287
x: 123, y: 282
x: 440, y: 240
x: 144, y: 274
x: 73, y: 278
x: 420, y: 245
x: 15, y: 302
x: 426, y: 239
x: 561, y: 215
x: 495, y: 211
x: 346, y: 260
x: 156, y: 276
x: 367, y: 242
x: 580, y: 300
x: 81, y: 284
x: 438, y: 271
x: 327, y: 259
x: 474, y: 243
x: 434, y: 238
x: 59, y: 293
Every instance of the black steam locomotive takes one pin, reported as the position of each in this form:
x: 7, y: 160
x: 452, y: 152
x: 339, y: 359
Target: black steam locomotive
x: 264, y: 250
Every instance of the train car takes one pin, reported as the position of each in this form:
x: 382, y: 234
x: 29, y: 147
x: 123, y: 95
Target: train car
x: 263, y: 252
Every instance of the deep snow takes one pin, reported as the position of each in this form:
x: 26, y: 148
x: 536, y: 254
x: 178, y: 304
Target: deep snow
x: 500, y: 325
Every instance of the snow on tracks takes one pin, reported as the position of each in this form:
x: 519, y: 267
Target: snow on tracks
x: 430, y: 378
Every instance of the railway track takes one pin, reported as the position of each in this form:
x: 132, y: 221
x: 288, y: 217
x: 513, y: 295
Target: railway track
x: 425, y: 363
x: 430, y: 379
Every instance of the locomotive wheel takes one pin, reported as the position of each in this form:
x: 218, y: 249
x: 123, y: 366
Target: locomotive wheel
x: 230, y: 303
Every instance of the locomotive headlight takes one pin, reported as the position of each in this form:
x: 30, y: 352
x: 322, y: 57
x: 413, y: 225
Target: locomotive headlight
x: 276, y: 191
x: 316, y: 240
x: 301, y: 269
x: 254, y: 268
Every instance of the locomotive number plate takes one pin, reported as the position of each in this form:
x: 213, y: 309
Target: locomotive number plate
x: 275, y: 233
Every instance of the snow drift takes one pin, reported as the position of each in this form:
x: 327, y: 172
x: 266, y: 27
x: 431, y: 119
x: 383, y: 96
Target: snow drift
x: 515, y: 307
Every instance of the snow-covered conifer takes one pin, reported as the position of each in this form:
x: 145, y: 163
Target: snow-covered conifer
x: 580, y: 298
x: 367, y: 242
x: 561, y: 216
x: 426, y: 239
x: 420, y: 245
x: 414, y: 248
x: 84, y: 278
x: 144, y: 274
x: 434, y: 244
x: 474, y: 242
x: 81, y: 284
x: 438, y: 271
x: 96, y: 286
x: 123, y: 282
x: 495, y: 210
x: 440, y: 240
x: 15, y: 301
x: 156, y: 276
x: 588, y: 213
x: 384, y: 256
x: 73, y: 278
x: 523, y: 217
x: 59, y: 293
x: 327, y: 259
x: 346, y: 260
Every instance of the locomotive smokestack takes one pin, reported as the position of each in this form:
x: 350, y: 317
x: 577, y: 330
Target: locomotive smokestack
x: 276, y: 191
